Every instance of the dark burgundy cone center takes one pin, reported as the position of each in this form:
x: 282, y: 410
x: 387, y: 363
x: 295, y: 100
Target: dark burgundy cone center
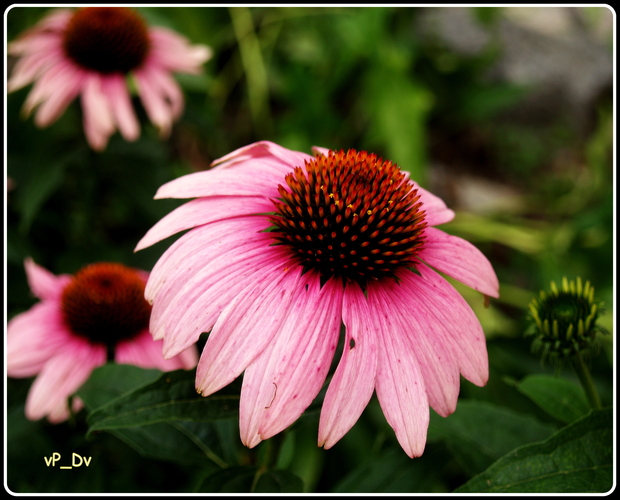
x: 107, y: 39
x: 351, y: 215
x: 105, y: 303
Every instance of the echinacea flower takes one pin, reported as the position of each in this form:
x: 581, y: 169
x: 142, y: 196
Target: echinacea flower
x: 283, y: 248
x: 81, y: 322
x: 90, y: 52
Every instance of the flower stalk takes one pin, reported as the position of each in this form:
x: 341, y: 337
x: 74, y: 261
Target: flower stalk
x: 583, y: 373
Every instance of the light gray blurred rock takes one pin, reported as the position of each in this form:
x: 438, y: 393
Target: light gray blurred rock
x: 548, y: 49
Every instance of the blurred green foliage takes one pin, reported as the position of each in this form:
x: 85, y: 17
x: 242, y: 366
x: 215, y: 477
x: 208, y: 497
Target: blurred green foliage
x: 338, y: 77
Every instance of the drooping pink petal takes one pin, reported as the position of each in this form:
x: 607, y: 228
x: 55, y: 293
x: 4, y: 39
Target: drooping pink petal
x: 437, y: 363
x: 202, y: 211
x: 206, y: 296
x: 154, y: 101
x: 400, y: 387
x: 60, y: 413
x: 459, y: 259
x: 33, y: 337
x: 281, y: 382
x: 43, y: 35
x: 454, y: 322
x: 43, y: 284
x: 264, y: 155
x: 353, y: 382
x: 55, y: 105
x: 222, y: 182
x: 114, y: 88
x: 436, y: 210
x: 246, y: 326
x: 61, y: 376
x: 145, y: 352
x: 173, y: 52
x: 320, y: 150
x: 29, y: 67
x: 166, y: 86
x: 188, y: 251
x: 53, y: 92
x: 54, y: 22
x: 97, y: 113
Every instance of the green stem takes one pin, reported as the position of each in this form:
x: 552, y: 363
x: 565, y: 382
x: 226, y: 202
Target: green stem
x: 268, y: 456
x: 586, y: 381
x: 254, y: 67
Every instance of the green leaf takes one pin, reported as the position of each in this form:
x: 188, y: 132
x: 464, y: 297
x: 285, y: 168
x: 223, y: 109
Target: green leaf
x: 576, y: 459
x: 399, y: 109
x: 172, y: 442
x: 393, y: 472
x: 478, y: 433
x: 171, y: 397
x: 44, y: 179
x: 560, y: 398
x: 251, y: 479
x: 231, y: 480
x: 111, y: 381
x: 278, y: 481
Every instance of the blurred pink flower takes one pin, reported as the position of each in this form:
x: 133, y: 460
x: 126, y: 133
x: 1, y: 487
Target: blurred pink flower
x: 80, y: 321
x: 91, y: 52
x: 284, y: 248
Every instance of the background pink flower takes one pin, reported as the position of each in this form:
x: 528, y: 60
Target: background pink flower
x: 284, y: 247
x: 90, y: 52
x: 81, y: 321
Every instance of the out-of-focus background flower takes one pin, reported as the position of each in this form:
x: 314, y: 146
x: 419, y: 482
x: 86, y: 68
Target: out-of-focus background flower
x: 504, y: 112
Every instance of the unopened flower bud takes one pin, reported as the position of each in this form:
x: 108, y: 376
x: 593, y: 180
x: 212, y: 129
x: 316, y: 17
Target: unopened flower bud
x: 563, y: 321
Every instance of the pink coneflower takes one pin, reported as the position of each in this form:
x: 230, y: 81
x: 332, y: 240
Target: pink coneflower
x: 81, y: 321
x: 90, y: 52
x: 284, y: 248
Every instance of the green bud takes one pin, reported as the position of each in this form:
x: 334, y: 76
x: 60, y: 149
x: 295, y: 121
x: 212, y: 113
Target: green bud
x: 563, y: 321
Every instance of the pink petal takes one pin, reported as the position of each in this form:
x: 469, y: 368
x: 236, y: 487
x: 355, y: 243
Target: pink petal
x: 62, y: 376
x: 218, y: 236
x: 223, y: 182
x: 265, y: 154
x: 202, y: 211
x: 97, y: 112
x: 205, y: 297
x: 246, y: 326
x: 282, y: 381
x: 449, y: 316
x: 186, y: 254
x: 29, y: 67
x: 353, y: 382
x: 459, y: 259
x: 145, y: 352
x: 167, y: 86
x: 48, y: 82
x: 400, y: 387
x: 33, y: 337
x: 320, y: 150
x: 36, y: 39
x: 114, y: 88
x: 436, y: 210
x: 174, y: 52
x: 437, y: 363
x: 55, y: 90
x: 155, y: 105
x: 44, y: 285
x: 54, y: 22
